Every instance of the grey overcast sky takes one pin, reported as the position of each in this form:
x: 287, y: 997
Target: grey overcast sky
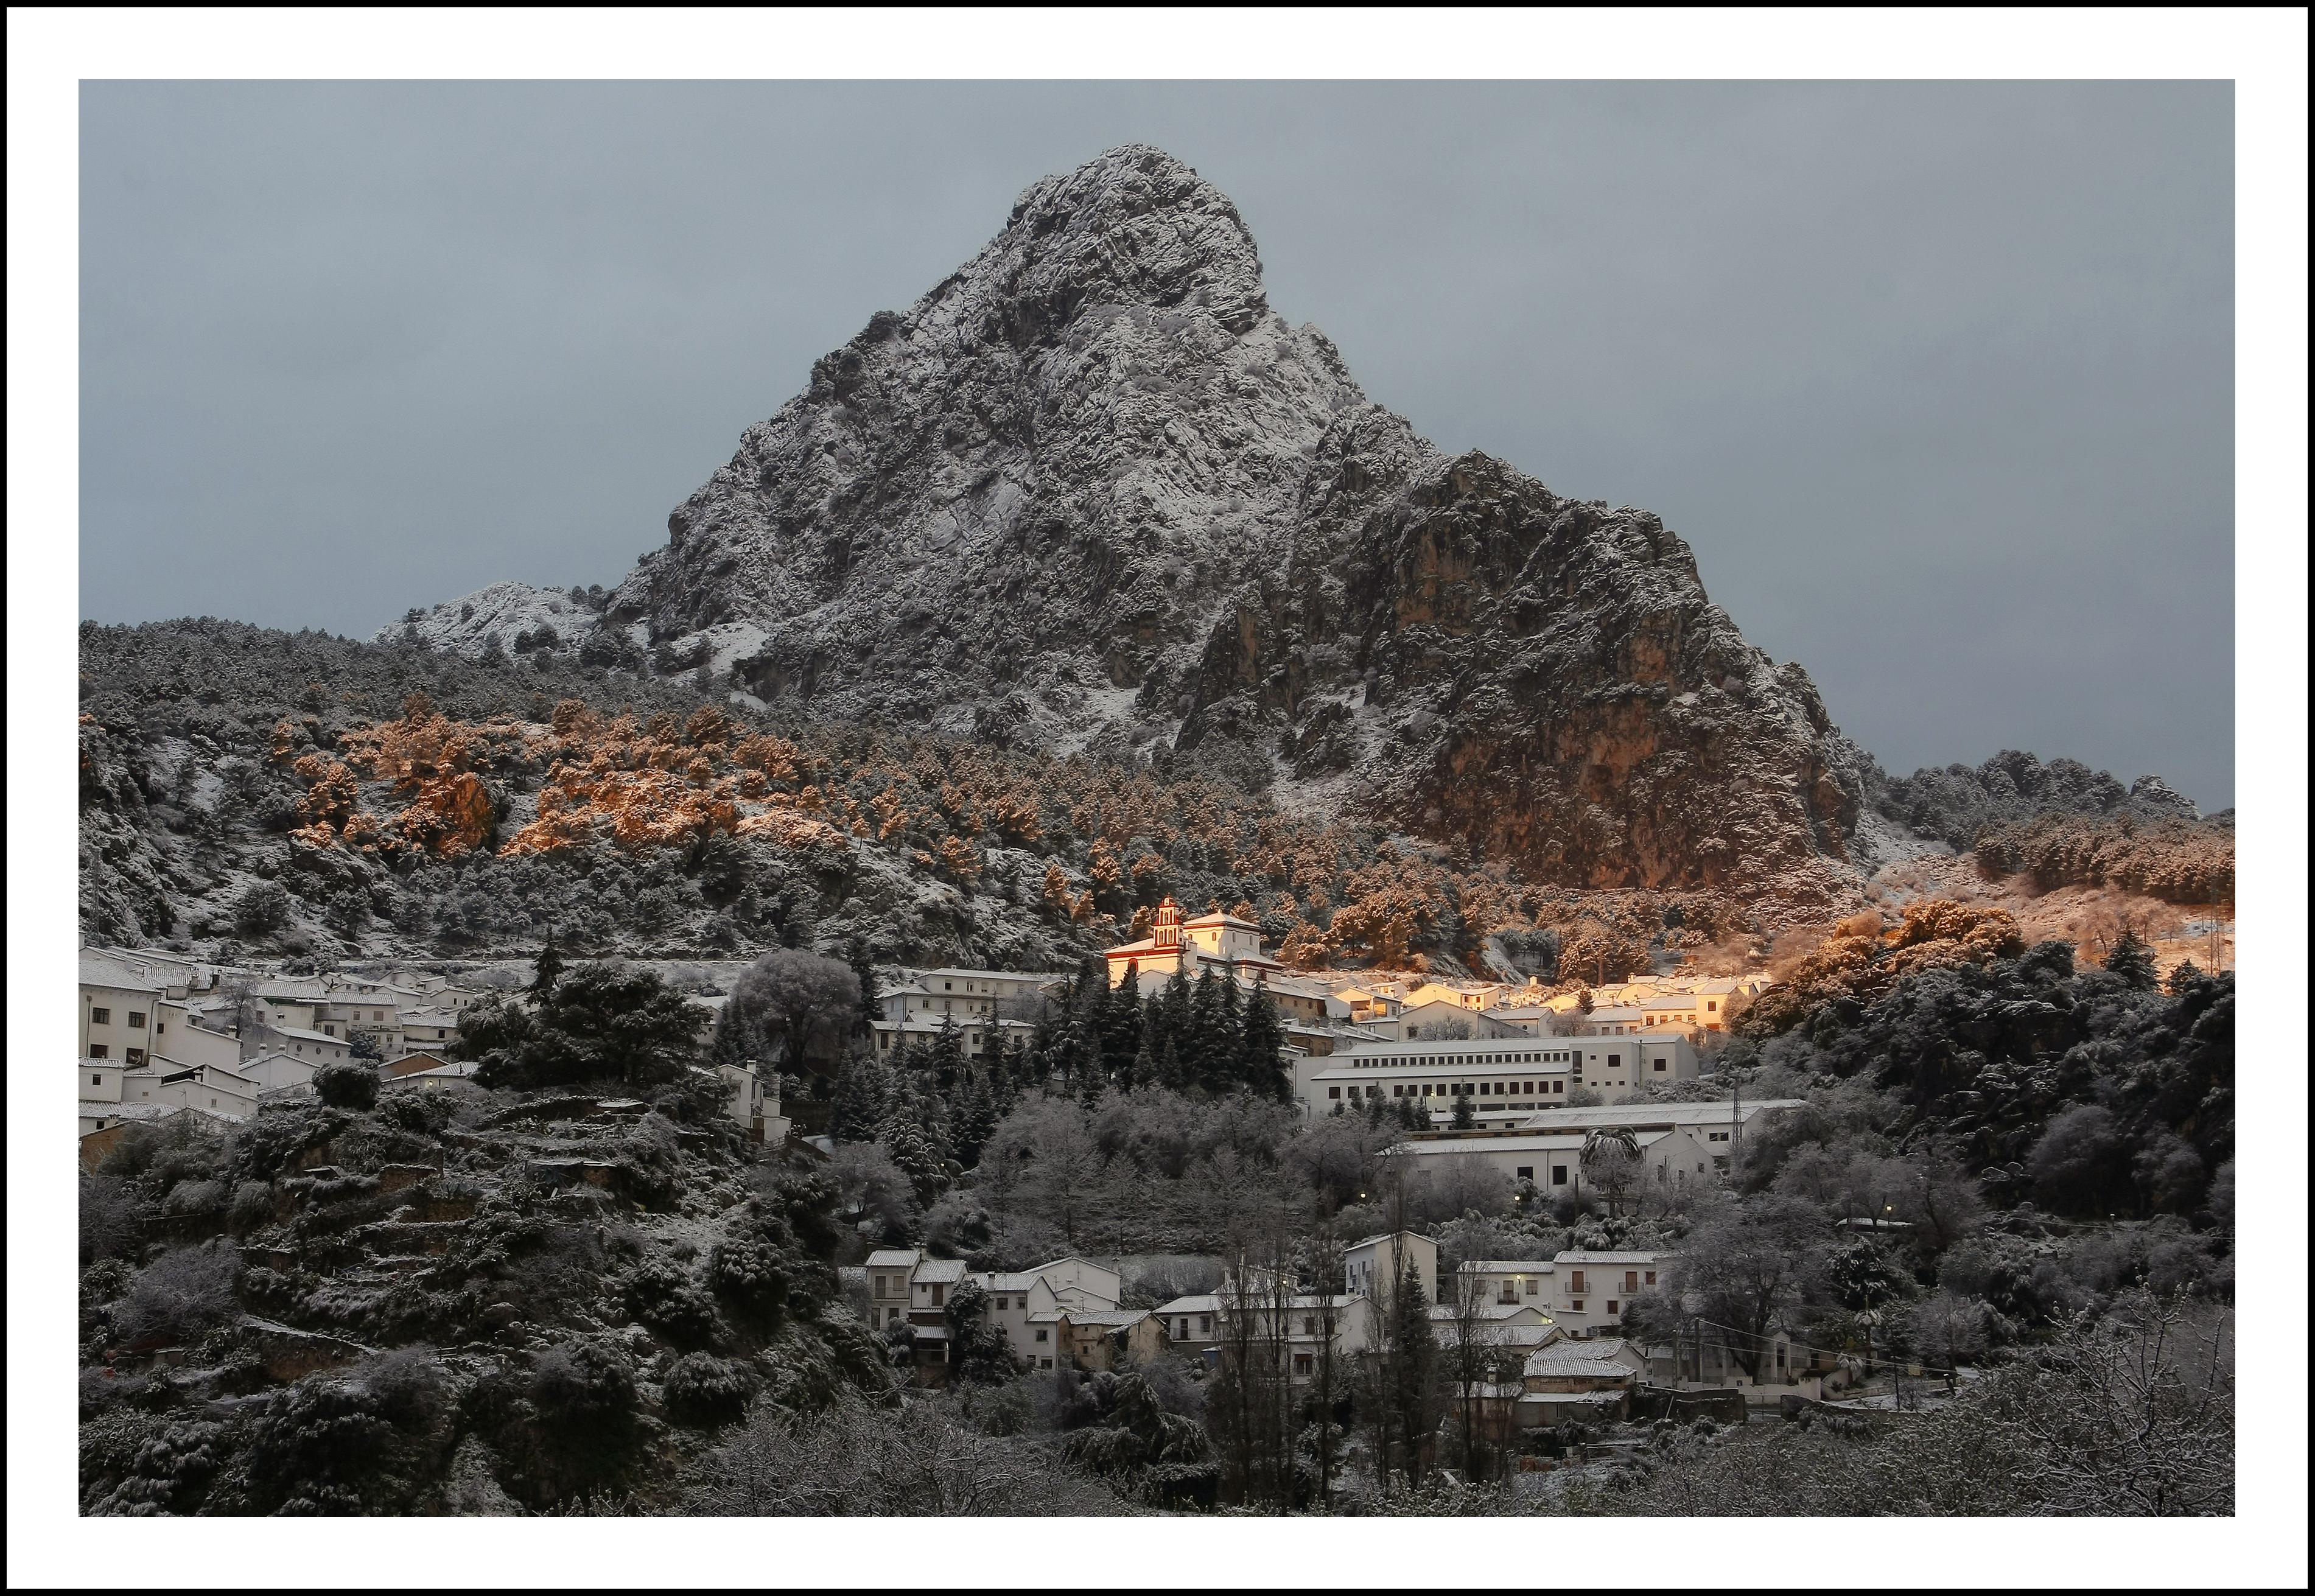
x: 1937, y: 379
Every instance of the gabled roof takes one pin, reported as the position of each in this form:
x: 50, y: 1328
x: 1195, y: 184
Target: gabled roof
x: 1505, y: 1266
x: 941, y: 1271
x: 96, y: 969
x: 1003, y: 975
x: 1598, y: 1356
x: 1106, y: 1318
x: 1385, y: 1236
x: 1205, y: 1303
x: 893, y: 1258
x: 91, y: 1109
x: 302, y: 1035
x: 1584, y: 1257
x: 292, y: 992
x: 1447, y: 1313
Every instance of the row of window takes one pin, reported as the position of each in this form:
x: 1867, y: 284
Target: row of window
x: 104, y: 1016
x: 97, y: 1049
x: 1466, y: 1060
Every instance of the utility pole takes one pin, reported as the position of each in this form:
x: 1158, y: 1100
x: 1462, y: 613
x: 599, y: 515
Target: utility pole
x: 1736, y: 1123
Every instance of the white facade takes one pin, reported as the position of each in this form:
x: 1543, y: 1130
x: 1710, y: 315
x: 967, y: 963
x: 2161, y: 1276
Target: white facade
x: 1371, y: 1267
x: 1682, y: 1145
x: 906, y: 1286
x: 1506, y: 1079
x: 1219, y: 942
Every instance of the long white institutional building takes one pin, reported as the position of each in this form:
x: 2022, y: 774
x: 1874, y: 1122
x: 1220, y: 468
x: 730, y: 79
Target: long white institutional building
x: 1506, y: 1079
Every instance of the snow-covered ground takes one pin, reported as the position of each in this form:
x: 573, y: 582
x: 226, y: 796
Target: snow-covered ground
x: 504, y: 610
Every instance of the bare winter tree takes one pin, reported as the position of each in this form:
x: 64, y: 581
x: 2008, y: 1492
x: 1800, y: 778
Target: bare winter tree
x: 853, y: 1460
x: 1470, y: 1359
x: 1330, y: 1373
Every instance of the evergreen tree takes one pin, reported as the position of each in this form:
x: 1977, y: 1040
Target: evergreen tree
x: 1415, y: 1356
x: 947, y: 1059
x: 905, y: 1142
x: 2133, y: 961
x: 1121, y: 1025
x: 1003, y: 1060
x: 1090, y: 1086
x: 1045, y: 1045
x: 2184, y: 976
x: 861, y: 1097
x: 1230, y: 1026
x: 548, y: 970
x: 976, y: 1117
x: 1465, y: 1118
x: 1172, y: 1070
x: 1145, y: 1070
x: 1173, y: 1020
x: 913, y: 1100
x: 1262, y: 1035
x: 739, y: 1039
x: 1212, y: 1060
x: 863, y: 970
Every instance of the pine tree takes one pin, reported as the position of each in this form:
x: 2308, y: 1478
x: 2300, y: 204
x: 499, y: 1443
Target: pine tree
x: 739, y: 1040
x: 2131, y: 959
x: 872, y: 1004
x: 976, y: 1117
x: 1414, y: 1349
x: 1465, y: 1118
x: 1173, y: 1016
x: 547, y: 970
x: 861, y: 1098
x: 1210, y: 1058
x: 1172, y: 1070
x: 1146, y: 1070
x: 1229, y: 1027
x: 1121, y: 1023
x: 1002, y: 1090
x: 947, y: 1060
x: 905, y: 1141
x: 1263, y: 1036
x: 2185, y: 975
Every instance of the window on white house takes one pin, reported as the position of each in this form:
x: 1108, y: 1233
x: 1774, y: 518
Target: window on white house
x: 136, y: 1020
x: 95, y: 1080
x: 135, y: 1055
x: 99, y: 1017
x: 1040, y: 1336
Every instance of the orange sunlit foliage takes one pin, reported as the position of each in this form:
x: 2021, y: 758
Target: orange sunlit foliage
x: 1115, y: 838
x: 1861, y: 958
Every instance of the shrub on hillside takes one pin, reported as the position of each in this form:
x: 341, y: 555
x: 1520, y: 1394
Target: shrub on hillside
x: 348, y: 1084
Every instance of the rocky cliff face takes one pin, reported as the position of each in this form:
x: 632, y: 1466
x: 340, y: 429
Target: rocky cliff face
x: 1092, y: 486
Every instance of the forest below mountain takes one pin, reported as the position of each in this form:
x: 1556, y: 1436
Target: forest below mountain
x: 255, y: 793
